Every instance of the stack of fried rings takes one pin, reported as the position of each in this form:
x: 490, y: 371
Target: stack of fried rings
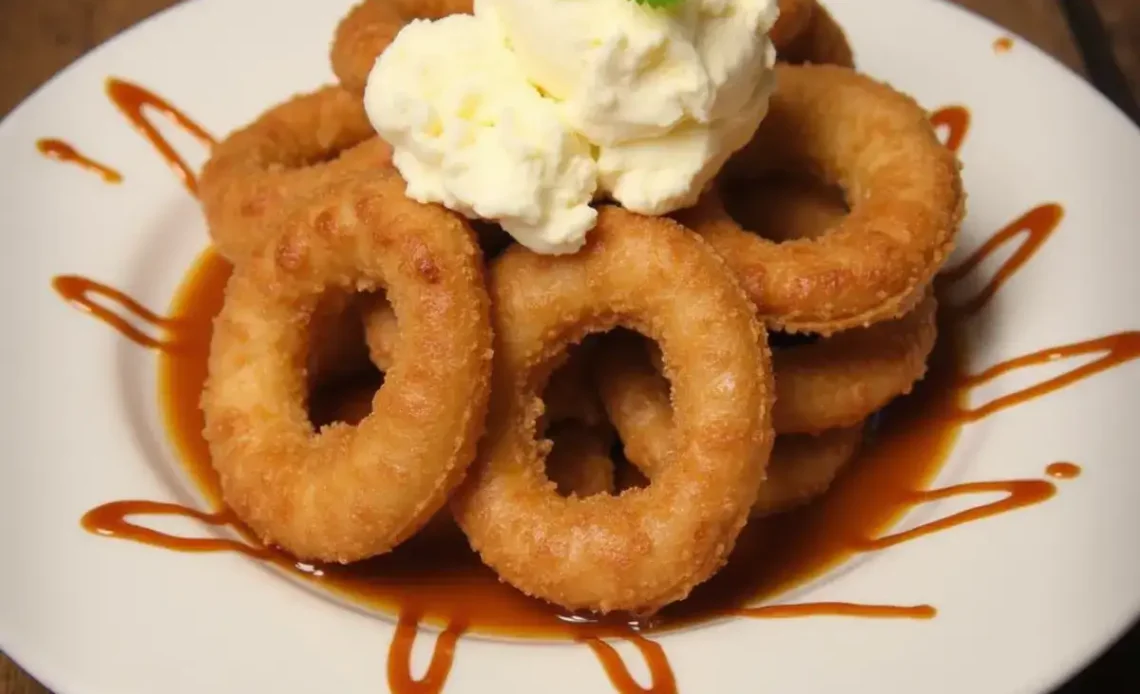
x: 305, y: 203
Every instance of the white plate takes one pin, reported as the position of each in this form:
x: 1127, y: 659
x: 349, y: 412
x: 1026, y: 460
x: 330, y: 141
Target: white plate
x: 1024, y: 599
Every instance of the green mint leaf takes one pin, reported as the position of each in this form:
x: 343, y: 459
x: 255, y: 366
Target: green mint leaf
x: 659, y: 4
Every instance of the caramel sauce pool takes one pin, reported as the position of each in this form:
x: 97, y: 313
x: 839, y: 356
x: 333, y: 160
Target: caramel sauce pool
x: 438, y: 578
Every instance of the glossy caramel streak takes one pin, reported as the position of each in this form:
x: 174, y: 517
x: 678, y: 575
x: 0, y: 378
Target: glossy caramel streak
x: 956, y: 120
x: 836, y: 609
x: 1114, y: 350
x: 1037, y: 226
x: 113, y: 520
x: 1018, y: 494
x: 659, y: 669
x: 80, y: 292
x: 131, y: 100
x: 63, y: 152
x: 1063, y: 471
x: 400, y: 680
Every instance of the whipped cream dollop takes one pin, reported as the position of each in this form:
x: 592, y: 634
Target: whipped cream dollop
x: 528, y: 110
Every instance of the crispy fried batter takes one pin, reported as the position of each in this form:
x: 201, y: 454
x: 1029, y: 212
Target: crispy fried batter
x: 902, y: 185
x: 293, y: 150
x: 371, y: 26
x: 803, y: 466
x: 841, y: 380
x: 834, y: 383
x: 347, y: 493
x: 822, y: 42
x: 795, y: 18
x: 651, y: 546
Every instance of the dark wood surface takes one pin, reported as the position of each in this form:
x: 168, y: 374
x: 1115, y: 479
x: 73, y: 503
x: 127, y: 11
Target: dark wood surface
x: 38, y: 39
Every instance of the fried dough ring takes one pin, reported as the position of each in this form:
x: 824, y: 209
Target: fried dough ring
x: 802, y: 466
x: 841, y: 380
x: 834, y: 383
x: 901, y: 184
x: 647, y: 547
x: 795, y: 18
x: 348, y: 493
x: 293, y: 150
x: 822, y: 42
x: 371, y: 27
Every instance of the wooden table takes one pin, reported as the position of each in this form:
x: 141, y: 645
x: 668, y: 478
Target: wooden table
x: 1100, y: 39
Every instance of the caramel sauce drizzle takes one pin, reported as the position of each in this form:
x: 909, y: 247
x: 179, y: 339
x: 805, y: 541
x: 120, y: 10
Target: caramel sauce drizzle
x: 835, y: 609
x: 113, y: 520
x: 1034, y: 228
x: 133, y: 101
x: 1114, y: 350
x: 400, y: 657
x: 63, y: 152
x: 1018, y: 494
x: 956, y: 120
x: 660, y: 671
x: 79, y: 292
x: 1037, y: 226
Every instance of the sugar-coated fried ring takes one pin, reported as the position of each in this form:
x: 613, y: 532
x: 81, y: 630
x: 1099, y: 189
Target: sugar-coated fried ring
x: 803, y: 466
x: 346, y: 493
x: 822, y: 42
x: 902, y: 185
x: 371, y: 26
x: 291, y: 151
x: 834, y: 383
x: 578, y: 462
x: 795, y: 18
x: 648, y: 547
x: 841, y: 380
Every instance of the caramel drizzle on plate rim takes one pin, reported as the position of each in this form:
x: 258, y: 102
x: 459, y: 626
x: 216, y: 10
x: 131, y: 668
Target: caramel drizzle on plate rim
x: 1034, y: 228
x: 61, y: 151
